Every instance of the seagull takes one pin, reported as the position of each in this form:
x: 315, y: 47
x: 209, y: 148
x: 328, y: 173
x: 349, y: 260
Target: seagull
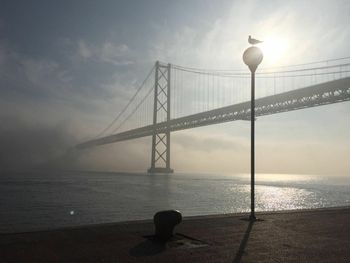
x: 253, y: 41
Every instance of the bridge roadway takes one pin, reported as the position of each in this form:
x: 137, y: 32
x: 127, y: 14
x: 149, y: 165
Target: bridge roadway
x: 312, y: 96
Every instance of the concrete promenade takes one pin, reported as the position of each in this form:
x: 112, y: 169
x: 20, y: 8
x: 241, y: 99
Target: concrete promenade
x: 294, y: 236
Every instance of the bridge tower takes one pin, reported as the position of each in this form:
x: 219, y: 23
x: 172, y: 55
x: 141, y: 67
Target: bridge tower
x: 160, y: 158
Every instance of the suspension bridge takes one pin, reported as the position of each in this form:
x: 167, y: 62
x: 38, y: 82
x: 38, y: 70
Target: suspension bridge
x: 173, y: 98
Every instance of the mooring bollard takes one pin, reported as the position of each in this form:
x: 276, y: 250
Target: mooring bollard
x: 164, y: 222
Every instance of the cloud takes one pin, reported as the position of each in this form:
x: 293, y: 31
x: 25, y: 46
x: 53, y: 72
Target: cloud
x: 310, y: 35
x: 83, y: 50
x: 57, y: 89
x: 107, y: 52
x: 34, y: 78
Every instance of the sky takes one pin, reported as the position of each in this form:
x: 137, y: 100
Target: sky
x: 68, y: 67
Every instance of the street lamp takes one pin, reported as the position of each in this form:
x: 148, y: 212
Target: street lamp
x: 252, y: 57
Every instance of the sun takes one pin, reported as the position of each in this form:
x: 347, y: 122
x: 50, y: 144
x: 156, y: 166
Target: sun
x: 275, y: 50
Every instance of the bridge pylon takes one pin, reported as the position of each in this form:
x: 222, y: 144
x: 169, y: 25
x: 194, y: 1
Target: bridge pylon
x: 160, y: 158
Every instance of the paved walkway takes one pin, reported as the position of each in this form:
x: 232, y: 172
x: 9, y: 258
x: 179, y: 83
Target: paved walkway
x: 303, y: 236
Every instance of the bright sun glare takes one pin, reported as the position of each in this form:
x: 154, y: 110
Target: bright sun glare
x: 274, y: 49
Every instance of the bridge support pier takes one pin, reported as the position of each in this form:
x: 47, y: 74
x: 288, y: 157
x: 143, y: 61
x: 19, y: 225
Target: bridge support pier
x: 160, y: 158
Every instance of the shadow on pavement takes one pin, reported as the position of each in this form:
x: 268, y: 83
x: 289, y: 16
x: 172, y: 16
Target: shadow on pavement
x: 243, y: 244
x: 147, y: 248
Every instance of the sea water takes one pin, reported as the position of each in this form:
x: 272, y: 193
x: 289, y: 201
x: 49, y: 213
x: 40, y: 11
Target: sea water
x: 39, y: 200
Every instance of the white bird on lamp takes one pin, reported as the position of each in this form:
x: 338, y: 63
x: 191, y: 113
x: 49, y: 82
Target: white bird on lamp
x: 254, y: 41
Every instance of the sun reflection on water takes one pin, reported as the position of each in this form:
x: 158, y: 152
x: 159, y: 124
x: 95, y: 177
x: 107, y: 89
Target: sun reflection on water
x: 271, y: 198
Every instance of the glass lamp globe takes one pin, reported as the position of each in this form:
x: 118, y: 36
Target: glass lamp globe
x: 252, y: 57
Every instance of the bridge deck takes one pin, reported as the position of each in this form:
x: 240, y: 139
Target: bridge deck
x: 312, y: 96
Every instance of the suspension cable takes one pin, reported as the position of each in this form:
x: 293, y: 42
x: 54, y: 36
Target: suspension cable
x: 247, y: 75
x: 127, y: 105
x: 135, y: 109
x: 240, y: 72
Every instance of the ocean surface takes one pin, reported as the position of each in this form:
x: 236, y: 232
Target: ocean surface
x: 40, y: 200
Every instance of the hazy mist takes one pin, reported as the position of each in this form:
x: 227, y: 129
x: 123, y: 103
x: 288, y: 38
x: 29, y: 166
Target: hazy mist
x: 67, y: 69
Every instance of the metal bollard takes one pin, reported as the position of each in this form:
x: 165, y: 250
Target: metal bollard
x: 164, y: 222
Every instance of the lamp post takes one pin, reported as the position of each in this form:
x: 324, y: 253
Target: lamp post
x: 252, y: 57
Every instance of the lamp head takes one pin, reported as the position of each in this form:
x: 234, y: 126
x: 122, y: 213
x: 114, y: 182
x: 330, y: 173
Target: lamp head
x: 252, y: 57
